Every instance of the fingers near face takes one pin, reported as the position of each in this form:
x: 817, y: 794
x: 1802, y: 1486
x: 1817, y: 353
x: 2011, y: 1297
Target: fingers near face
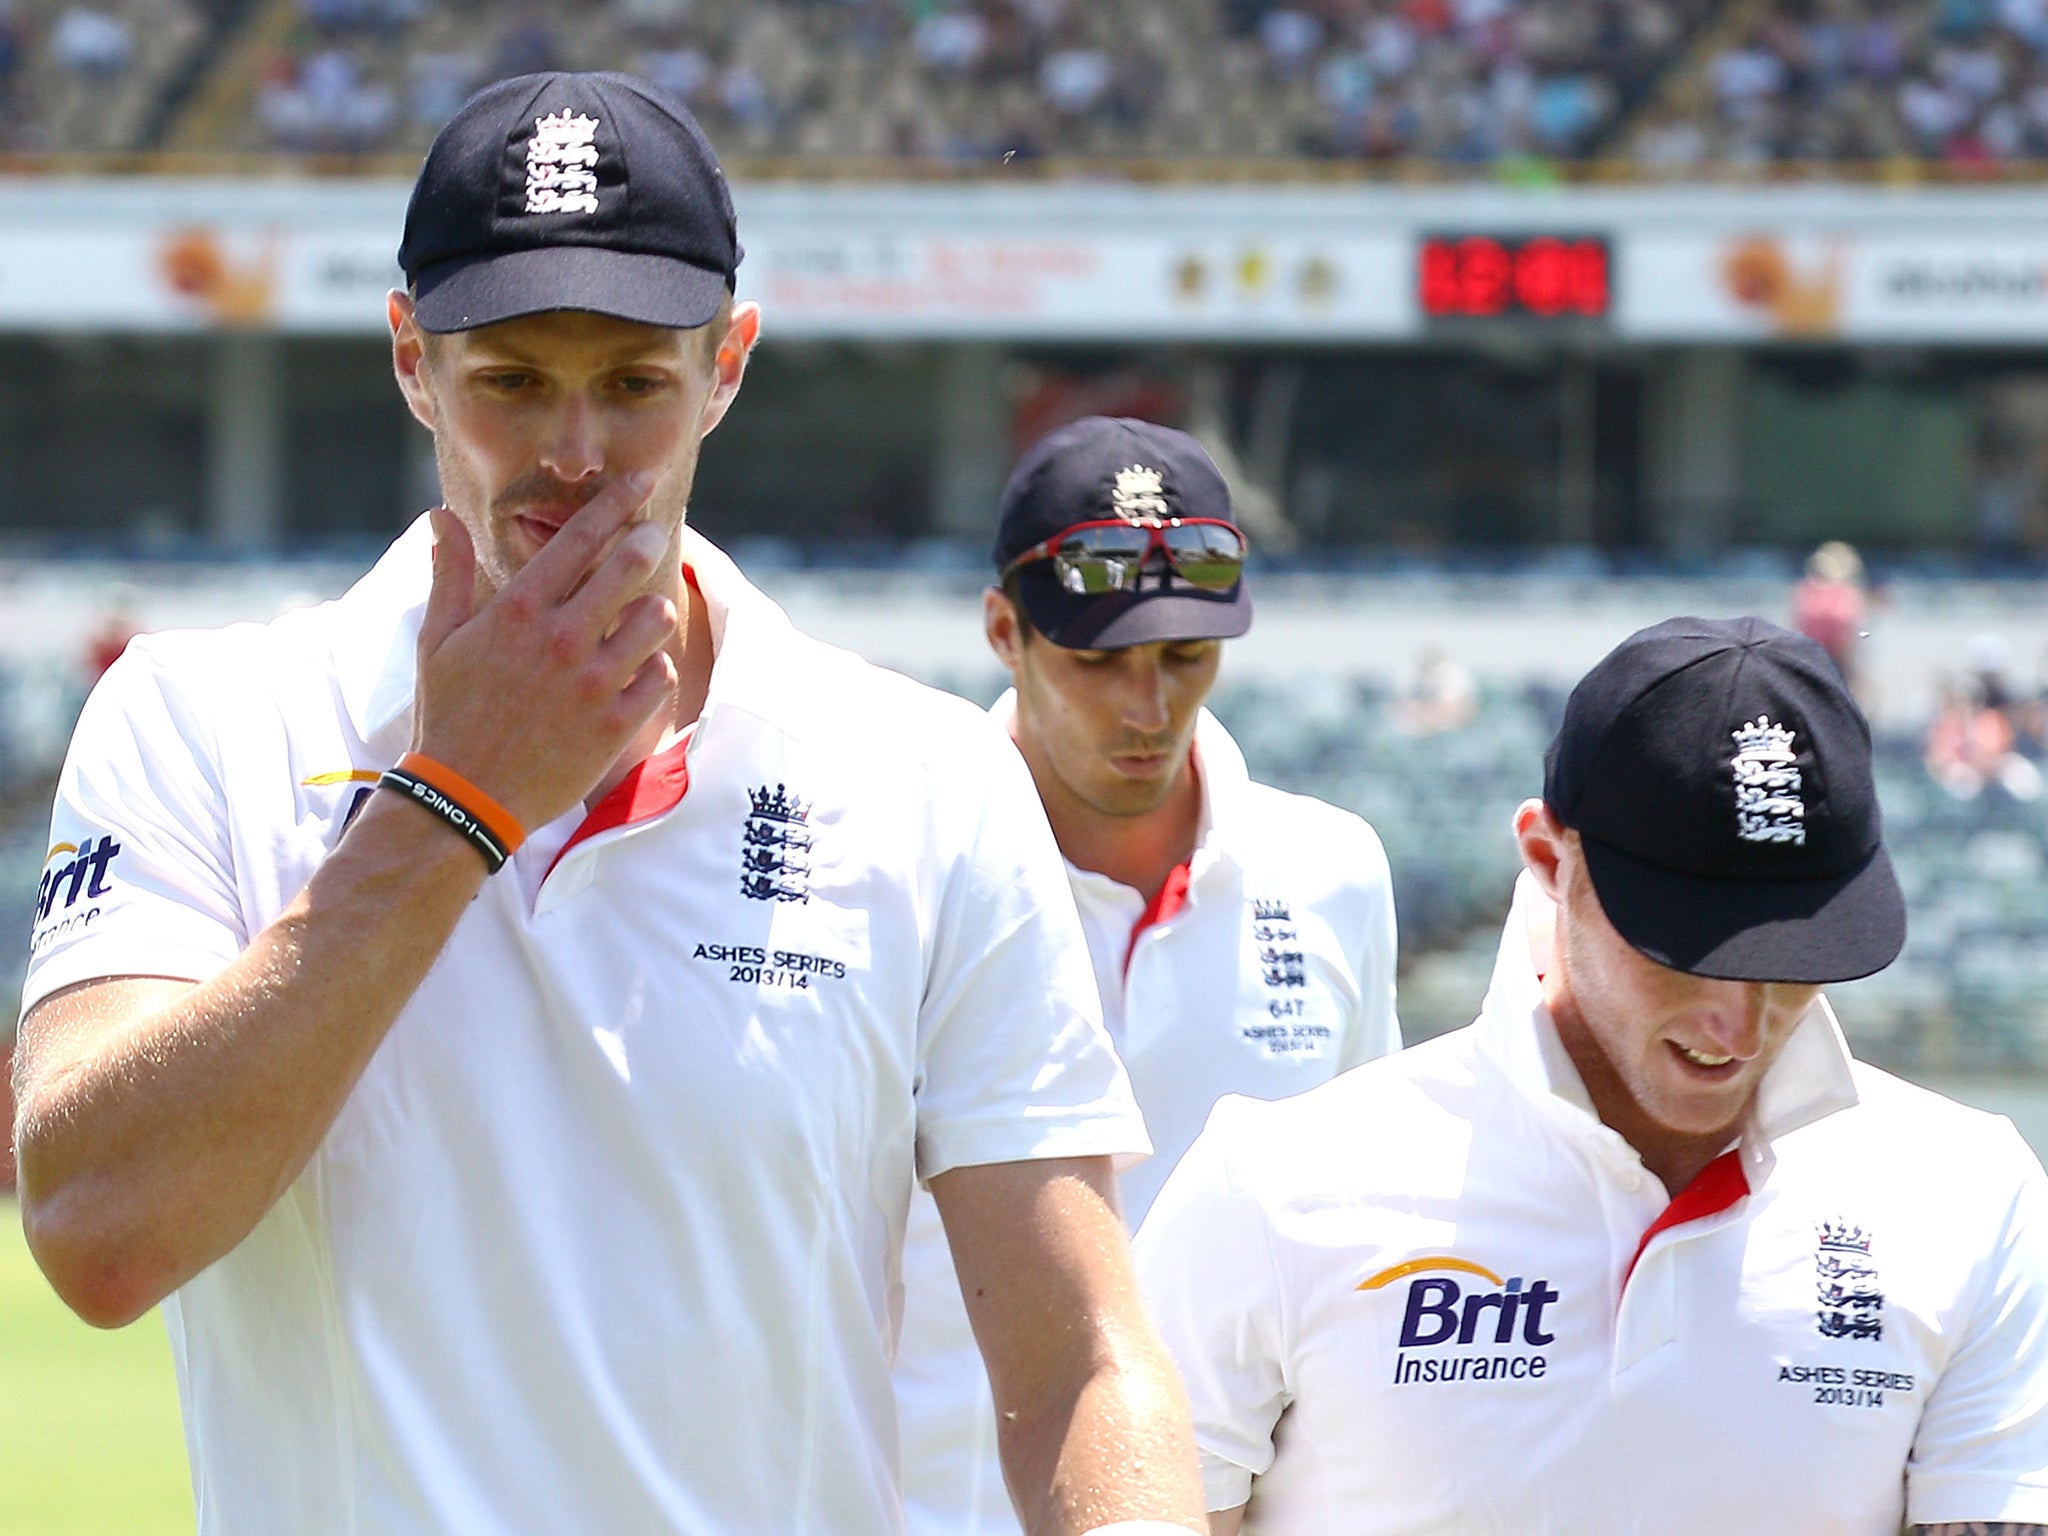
x: 640, y: 562
x: 645, y: 625
x: 564, y: 558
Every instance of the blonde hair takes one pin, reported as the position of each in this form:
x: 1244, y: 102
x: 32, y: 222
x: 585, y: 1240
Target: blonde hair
x: 1835, y: 561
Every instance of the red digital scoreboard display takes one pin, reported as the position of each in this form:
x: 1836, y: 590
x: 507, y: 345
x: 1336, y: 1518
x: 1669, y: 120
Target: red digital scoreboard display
x: 1539, y: 277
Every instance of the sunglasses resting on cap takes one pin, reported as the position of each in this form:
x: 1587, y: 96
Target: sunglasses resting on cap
x: 1110, y: 555
x: 1115, y: 532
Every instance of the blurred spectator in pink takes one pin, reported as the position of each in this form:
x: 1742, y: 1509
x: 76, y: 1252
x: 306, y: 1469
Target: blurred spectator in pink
x: 1828, y: 604
x: 1972, y: 744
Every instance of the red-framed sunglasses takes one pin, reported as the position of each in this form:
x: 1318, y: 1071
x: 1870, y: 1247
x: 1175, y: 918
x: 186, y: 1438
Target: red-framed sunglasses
x: 1107, y: 555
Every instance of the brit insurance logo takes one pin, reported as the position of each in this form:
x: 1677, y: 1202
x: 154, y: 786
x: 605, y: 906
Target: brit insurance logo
x: 1845, y: 1283
x: 73, y: 873
x: 775, y: 846
x: 1460, y: 1321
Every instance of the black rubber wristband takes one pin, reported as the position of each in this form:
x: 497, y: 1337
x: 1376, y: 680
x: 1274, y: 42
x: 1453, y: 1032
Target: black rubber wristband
x: 428, y: 798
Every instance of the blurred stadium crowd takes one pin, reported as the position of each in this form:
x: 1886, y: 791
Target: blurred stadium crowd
x: 1433, y: 87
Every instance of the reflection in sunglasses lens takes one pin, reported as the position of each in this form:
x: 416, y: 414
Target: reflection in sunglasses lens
x: 1109, y: 544
x: 1095, y: 561
x: 1093, y: 575
x: 1207, y: 557
x: 1209, y: 575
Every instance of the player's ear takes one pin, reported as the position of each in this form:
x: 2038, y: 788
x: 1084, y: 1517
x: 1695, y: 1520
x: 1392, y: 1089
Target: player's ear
x: 1004, y: 626
x: 729, y: 362
x: 409, y: 358
x: 1545, y: 844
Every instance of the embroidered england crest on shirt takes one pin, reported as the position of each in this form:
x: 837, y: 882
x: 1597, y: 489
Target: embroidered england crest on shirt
x: 561, y: 164
x: 1291, y: 1019
x: 773, y: 845
x: 1280, y: 957
x: 1138, y: 493
x: 1770, y: 806
x: 1845, y: 1283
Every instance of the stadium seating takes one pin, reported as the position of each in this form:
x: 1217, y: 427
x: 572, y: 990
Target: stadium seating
x: 93, y: 76
x: 851, y: 85
x: 853, y: 82
x: 1959, y: 83
x: 1435, y: 87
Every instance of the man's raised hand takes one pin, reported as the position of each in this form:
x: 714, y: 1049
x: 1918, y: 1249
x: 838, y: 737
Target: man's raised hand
x: 533, y: 693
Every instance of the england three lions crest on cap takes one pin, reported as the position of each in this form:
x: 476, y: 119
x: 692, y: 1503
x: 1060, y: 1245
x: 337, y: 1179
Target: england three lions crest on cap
x: 1138, y: 493
x: 561, y: 164
x: 1770, y: 806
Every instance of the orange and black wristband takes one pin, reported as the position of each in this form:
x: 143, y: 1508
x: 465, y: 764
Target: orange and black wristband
x: 493, y: 831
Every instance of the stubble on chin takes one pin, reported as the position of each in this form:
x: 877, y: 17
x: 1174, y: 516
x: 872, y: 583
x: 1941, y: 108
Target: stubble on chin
x: 1124, y: 798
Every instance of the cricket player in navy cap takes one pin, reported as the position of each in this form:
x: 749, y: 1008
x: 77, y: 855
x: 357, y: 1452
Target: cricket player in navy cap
x: 503, y: 1014
x: 1242, y: 937
x: 1643, y: 1250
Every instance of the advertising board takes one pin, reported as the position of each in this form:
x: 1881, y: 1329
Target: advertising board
x: 1058, y: 261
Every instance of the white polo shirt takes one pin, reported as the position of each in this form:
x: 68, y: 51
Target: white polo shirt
x: 1398, y: 1302
x: 1267, y: 970
x: 607, y: 1237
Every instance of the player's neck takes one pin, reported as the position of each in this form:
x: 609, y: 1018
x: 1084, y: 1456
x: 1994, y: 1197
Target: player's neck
x: 691, y: 651
x: 1136, y: 851
x: 1675, y: 1157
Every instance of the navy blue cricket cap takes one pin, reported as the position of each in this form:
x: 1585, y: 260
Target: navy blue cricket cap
x: 1115, y: 468
x: 1719, y: 777
x: 570, y: 191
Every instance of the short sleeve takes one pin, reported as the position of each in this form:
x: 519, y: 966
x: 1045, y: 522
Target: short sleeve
x: 1204, y: 1258
x: 1981, y: 1453
x: 1374, y: 951
x: 1014, y: 1060
x: 139, y: 879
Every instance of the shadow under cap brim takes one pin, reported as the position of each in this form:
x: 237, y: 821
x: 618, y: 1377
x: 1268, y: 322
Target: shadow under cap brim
x: 1119, y: 619
x: 472, y: 291
x: 1837, y: 928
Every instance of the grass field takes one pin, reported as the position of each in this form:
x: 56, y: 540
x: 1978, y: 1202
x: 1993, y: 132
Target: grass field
x: 89, y: 1438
